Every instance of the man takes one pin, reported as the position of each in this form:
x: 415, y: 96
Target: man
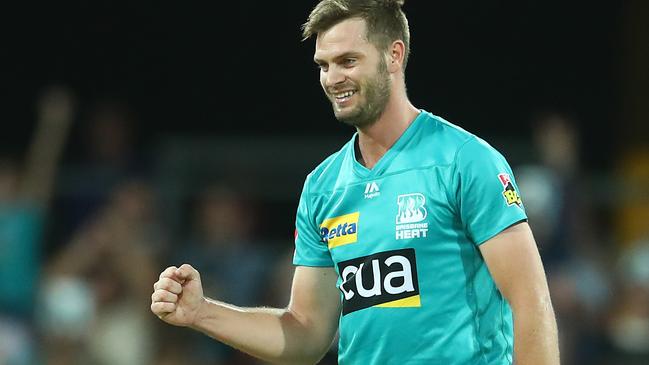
x: 416, y: 221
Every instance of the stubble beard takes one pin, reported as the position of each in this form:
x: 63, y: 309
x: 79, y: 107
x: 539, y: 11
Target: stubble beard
x: 377, y: 93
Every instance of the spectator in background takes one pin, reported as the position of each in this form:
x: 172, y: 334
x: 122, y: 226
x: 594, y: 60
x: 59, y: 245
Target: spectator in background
x: 628, y: 321
x: 106, y: 156
x: 235, y: 266
x: 628, y: 324
x: 553, y: 193
x: 106, y: 269
x: 557, y: 202
x: 25, y: 195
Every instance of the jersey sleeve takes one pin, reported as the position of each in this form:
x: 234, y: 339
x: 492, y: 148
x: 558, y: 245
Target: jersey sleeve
x: 309, y: 248
x: 486, y: 193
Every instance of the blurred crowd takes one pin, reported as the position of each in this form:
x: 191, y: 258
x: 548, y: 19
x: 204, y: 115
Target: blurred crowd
x: 83, y: 239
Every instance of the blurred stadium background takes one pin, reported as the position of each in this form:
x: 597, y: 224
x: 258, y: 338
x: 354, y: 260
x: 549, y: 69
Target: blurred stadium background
x: 142, y: 134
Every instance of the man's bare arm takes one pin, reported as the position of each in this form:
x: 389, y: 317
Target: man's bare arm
x: 298, y: 334
x: 514, y: 262
x: 55, y: 112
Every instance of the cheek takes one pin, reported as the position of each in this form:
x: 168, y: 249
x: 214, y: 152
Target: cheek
x: 358, y: 77
x: 323, y: 79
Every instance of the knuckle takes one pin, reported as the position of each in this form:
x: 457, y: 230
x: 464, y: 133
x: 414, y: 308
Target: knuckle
x: 164, y: 296
x: 170, y: 286
x: 167, y: 284
x: 156, y: 296
x: 168, y: 271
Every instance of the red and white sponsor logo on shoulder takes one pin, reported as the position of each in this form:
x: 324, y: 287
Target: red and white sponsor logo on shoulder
x: 509, y: 192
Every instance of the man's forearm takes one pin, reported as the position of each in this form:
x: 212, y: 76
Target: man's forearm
x: 535, y: 334
x: 271, y: 334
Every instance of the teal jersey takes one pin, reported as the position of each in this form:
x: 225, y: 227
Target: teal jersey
x: 403, y: 238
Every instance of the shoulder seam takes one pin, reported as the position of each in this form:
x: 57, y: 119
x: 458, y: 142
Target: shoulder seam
x: 452, y: 181
x: 457, y: 152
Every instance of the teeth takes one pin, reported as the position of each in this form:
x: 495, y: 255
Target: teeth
x: 345, y: 94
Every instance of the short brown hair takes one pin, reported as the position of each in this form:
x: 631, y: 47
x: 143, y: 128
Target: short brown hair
x: 385, y: 20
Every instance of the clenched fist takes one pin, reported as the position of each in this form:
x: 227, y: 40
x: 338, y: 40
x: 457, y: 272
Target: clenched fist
x: 178, y: 295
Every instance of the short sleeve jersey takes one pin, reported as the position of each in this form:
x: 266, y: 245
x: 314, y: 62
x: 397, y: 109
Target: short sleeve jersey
x: 404, y: 237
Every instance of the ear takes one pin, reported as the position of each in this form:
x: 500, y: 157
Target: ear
x: 396, y: 54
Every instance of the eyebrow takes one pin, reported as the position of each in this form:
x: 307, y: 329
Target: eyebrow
x: 350, y: 54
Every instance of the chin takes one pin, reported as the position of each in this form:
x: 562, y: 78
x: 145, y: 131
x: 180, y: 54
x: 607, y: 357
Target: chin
x: 354, y: 121
x: 347, y: 116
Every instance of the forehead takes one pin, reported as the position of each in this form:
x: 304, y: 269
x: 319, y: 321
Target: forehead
x: 346, y: 36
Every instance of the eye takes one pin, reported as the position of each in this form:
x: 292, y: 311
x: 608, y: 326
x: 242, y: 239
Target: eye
x: 349, y: 62
x: 322, y: 67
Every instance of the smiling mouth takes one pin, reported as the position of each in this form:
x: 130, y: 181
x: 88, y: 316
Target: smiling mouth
x: 342, y: 97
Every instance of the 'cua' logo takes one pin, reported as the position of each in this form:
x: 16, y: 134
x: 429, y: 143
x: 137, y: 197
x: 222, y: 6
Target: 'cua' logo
x: 385, y: 279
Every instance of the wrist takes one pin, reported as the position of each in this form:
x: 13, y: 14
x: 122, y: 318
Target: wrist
x: 201, y: 314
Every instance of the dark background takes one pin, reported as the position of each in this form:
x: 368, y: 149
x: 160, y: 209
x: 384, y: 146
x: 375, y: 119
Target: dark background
x: 241, y: 68
x: 226, y: 95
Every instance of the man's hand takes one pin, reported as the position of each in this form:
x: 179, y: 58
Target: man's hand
x: 178, y: 296
x: 298, y: 334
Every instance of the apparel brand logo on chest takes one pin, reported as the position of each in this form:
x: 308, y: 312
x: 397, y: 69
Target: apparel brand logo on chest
x: 411, y: 215
x: 372, y: 190
x: 341, y: 230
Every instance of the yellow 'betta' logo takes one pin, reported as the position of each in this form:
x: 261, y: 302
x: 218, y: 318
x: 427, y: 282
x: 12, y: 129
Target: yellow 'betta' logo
x: 341, y: 230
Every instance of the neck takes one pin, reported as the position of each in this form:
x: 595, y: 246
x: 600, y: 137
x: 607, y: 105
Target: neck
x: 375, y: 140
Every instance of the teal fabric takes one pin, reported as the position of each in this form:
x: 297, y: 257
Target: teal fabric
x: 21, y: 228
x: 404, y: 238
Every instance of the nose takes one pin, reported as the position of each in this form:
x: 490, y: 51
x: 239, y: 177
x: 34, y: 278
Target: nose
x: 333, y: 76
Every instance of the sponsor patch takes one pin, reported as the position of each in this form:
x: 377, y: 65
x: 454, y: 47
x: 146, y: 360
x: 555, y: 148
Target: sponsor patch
x: 341, y: 230
x: 386, y: 279
x: 511, y: 195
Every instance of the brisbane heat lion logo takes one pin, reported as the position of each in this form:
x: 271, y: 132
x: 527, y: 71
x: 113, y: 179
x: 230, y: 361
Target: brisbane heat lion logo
x: 411, y: 215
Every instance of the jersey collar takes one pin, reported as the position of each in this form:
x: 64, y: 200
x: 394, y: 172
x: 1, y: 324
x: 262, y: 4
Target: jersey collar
x: 384, y: 162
